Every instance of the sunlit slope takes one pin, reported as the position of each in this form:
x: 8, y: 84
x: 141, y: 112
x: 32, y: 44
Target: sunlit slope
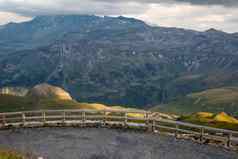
x: 6, y: 154
x: 211, y: 100
x: 219, y: 120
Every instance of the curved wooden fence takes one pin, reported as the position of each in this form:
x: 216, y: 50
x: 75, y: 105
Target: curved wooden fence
x: 119, y: 119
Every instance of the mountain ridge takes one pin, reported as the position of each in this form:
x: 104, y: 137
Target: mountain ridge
x: 116, y: 61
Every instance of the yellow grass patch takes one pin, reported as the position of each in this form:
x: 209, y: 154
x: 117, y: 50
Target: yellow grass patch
x: 223, y: 117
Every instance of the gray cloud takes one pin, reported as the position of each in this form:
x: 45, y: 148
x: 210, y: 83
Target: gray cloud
x: 39, y: 7
x: 228, y: 3
x: 103, y: 7
x: 211, y: 2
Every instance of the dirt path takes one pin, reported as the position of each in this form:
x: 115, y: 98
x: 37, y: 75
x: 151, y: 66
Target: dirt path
x: 74, y: 143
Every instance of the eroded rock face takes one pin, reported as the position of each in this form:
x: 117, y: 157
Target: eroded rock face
x: 42, y: 91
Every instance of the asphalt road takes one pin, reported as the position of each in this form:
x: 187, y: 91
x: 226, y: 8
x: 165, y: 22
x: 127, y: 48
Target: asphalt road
x: 93, y: 143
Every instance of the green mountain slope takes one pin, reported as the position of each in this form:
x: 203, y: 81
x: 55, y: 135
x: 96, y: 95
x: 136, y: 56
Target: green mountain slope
x: 220, y: 120
x: 223, y: 99
x: 14, y: 103
x: 45, y: 96
x: 42, y: 96
x: 116, y: 60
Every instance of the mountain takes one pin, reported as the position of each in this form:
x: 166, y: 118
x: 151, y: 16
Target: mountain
x: 212, y: 100
x: 116, y: 60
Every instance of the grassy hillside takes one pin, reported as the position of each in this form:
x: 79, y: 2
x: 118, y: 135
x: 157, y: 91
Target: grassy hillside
x: 9, y: 103
x: 14, y: 103
x: 5, y: 154
x: 212, y: 100
x: 220, y: 120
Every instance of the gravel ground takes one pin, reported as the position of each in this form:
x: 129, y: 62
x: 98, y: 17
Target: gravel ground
x: 93, y: 143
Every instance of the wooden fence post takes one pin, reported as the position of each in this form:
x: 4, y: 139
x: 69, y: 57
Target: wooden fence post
x: 44, y: 117
x: 201, y: 134
x: 176, y: 131
x: 64, y: 117
x: 153, y: 125
x: 23, y: 119
x: 4, y: 120
x: 147, y: 119
x: 83, y: 118
x: 148, y: 123
x: 125, y: 120
x: 104, y: 118
x: 229, y: 138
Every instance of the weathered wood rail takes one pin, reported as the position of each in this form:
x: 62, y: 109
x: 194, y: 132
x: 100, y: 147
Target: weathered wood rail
x: 120, y: 119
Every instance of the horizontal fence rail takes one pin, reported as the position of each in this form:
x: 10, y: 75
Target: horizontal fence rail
x: 121, y: 119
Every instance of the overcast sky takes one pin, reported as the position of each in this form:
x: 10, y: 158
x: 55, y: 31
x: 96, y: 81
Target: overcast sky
x: 192, y: 14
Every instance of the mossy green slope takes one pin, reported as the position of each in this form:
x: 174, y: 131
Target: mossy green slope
x: 211, y: 100
x: 220, y: 120
x: 10, y: 103
x: 5, y: 154
x: 43, y: 96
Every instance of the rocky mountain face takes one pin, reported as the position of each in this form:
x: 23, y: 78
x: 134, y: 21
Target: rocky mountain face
x: 116, y: 61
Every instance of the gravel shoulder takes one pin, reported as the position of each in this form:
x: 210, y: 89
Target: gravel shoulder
x: 94, y: 143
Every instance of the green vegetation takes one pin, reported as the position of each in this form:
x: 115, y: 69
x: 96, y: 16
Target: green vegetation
x: 10, y: 103
x: 15, y: 103
x: 211, y: 100
x: 220, y: 120
x: 10, y: 155
x: 45, y: 96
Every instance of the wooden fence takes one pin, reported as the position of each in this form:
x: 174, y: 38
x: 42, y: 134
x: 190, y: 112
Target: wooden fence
x: 120, y: 119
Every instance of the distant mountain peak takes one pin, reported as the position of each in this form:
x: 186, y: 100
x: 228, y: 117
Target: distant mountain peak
x: 64, y: 18
x: 59, y: 19
x: 213, y: 30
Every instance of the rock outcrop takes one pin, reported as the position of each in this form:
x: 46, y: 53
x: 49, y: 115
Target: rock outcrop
x: 46, y: 91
